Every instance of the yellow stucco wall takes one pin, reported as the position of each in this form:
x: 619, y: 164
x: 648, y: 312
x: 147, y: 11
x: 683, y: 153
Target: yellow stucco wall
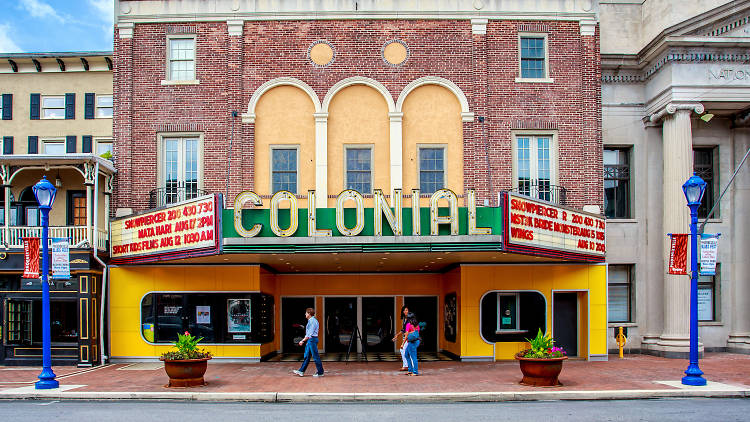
x: 284, y: 116
x: 451, y: 284
x: 432, y: 115
x: 358, y: 115
x: 130, y: 284
x: 476, y: 280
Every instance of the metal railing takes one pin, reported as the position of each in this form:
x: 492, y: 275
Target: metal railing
x: 546, y: 192
x: 78, y: 235
x: 160, y: 197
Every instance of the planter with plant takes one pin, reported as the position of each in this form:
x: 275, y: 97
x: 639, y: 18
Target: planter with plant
x: 542, y: 363
x: 186, y: 365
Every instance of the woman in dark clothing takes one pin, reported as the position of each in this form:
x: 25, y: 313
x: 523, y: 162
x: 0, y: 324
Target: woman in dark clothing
x: 404, y: 313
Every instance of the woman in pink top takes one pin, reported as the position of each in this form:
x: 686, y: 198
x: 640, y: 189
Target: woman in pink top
x: 411, y: 346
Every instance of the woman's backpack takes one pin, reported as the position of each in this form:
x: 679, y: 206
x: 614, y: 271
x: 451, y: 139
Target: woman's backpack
x: 413, y: 336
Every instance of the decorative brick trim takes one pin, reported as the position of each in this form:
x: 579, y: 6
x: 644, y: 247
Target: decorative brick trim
x: 179, y: 127
x: 533, y: 124
x: 533, y: 27
x: 181, y: 29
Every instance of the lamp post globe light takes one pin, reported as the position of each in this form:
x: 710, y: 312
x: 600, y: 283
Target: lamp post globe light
x: 694, y: 189
x: 44, y: 191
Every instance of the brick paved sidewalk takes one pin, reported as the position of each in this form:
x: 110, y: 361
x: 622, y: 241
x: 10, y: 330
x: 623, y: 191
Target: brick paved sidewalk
x: 635, y: 372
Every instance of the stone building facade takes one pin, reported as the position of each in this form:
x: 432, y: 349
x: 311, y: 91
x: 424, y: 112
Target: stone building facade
x: 675, y: 101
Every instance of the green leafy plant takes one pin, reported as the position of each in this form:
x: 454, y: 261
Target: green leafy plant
x: 187, y: 348
x: 106, y: 155
x: 542, y: 347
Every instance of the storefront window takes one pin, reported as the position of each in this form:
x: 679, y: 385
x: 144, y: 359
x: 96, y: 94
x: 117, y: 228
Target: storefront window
x: 512, y: 316
x: 217, y: 317
x: 24, y: 321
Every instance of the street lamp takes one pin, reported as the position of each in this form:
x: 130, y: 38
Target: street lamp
x: 44, y: 191
x: 694, y: 189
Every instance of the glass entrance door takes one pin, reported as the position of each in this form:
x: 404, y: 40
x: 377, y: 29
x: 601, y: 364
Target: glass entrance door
x: 340, y: 322
x: 377, y: 323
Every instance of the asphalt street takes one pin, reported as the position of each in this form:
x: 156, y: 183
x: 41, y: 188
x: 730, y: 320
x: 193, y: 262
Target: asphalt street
x: 581, y: 411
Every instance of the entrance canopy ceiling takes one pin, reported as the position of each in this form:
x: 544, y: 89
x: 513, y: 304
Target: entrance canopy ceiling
x: 365, y: 262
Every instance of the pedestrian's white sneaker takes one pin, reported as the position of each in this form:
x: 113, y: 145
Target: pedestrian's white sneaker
x: 318, y: 375
x: 300, y: 373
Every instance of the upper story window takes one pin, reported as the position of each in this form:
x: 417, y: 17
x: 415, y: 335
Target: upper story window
x: 359, y: 169
x: 53, y: 107
x: 705, y: 165
x: 535, y: 168
x: 53, y: 146
x: 181, y: 59
x: 431, y: 169
x: 617, y: 182
x: 6, y: 107
x: 284, y: 169
x: 181, y: 173
x: 104, y: 147
x: 104, y: 106
x: 533, y: 58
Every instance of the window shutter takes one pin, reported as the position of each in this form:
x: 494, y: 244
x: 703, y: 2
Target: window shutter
x: 33, y: 144
x: 70, y: 106
x: 70, y: 144
x: 89, y: 112
x: 7, y: 106
x: 34, y: 107
x: 86, y: 144
x: 7, y: 145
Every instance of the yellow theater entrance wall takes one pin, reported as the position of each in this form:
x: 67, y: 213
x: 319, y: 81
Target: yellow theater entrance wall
x: 469, y: 282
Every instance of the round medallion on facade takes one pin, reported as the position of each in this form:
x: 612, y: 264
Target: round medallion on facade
x: 395, y: 52
x: 321, y: 53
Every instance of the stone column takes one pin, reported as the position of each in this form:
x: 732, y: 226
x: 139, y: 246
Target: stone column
x: 678, y: 167
x: 739, y: 335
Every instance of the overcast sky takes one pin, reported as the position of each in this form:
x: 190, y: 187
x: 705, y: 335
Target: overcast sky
x: 55, y: 25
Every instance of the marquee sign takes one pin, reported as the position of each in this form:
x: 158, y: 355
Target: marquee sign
x: 538, y: 227
x: 185, y: 229
x: 385, y: 218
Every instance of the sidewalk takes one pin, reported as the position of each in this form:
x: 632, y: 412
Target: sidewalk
x: 636, y: 376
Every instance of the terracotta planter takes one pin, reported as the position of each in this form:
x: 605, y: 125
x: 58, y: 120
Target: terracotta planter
x: 186, y: 372
x: 540, y: 372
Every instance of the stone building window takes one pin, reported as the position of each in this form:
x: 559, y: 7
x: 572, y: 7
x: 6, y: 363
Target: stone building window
x: 533, y: 58
x: 708, y: 296
x: 617, y: 182
x: 620, y: 293
x: 705, y: 165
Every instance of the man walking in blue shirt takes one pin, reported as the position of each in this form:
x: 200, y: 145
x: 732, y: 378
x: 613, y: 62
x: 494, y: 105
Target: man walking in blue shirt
x: 311, y: 348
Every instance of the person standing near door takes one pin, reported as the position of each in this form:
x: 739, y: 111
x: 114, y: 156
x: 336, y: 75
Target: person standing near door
x: 404, y: 362
x: 411, y: 341
x: 311, y: 348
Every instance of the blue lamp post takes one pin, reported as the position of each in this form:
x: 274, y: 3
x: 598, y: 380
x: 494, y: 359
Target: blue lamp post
x: 694, y: 189
x: 45, y: 192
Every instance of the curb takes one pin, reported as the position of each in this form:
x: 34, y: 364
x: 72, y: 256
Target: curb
x: 275, y: 397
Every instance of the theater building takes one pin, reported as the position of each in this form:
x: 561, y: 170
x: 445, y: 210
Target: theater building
x: 357, y: 156
x: 56, y: 122
x: 676, y: 95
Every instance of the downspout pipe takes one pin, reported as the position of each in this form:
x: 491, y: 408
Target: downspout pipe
x: 102, y: 355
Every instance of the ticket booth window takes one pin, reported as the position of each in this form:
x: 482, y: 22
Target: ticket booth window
x: 507, y: 311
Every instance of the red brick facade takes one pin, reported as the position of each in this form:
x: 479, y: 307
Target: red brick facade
x: 231, y: 68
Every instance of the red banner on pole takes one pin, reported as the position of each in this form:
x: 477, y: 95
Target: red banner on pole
x: 30, y: 257
x: 678, y: 254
